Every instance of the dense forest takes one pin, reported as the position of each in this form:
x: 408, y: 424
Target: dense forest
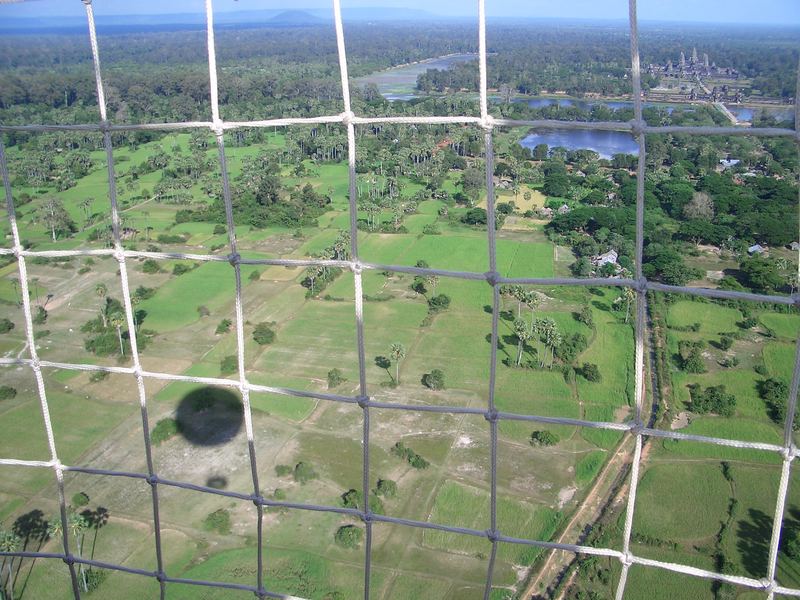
x: 271, y: 72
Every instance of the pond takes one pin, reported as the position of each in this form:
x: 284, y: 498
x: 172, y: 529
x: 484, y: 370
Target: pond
x: 605, y: 143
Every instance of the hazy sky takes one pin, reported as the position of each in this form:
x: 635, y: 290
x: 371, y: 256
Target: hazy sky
x: 718, y: 11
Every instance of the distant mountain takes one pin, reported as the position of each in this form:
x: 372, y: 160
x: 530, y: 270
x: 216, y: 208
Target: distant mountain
x: 254, y: 18
x: 294, y: 18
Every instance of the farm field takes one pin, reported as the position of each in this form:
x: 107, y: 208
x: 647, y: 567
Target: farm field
x: 182, y: 307
x: 561, y: 352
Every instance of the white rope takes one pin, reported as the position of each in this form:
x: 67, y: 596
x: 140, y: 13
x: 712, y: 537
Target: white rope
x: 487, y: 122
x: 126, y: 296
x: 243, y: 386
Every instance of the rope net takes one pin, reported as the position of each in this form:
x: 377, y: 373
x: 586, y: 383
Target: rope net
x: 486, y: 122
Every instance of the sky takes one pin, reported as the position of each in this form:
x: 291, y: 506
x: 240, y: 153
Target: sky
x: 712, y: 11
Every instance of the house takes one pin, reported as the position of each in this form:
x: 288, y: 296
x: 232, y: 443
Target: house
x: 727, y: 163
x: 609, y: 258
x: 546, y: 212
x: 564, y: 209
x: 795, y: 245
x: 756, y: 249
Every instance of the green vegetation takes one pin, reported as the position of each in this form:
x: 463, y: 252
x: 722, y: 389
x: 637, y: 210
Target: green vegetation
x: 420, y: 201
x: 164, y: 430
x: 348, y: 536
x: 218, y: 521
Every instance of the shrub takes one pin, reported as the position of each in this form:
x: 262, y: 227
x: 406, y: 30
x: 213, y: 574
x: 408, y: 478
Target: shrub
x: 164, y: 429
x: 170, y: 238
x: 386, y: 488
x: 263, y: 334
x: 98, y: 376
x: 748, y: 323
x: 725, y: 342
x: 713, y: 399
x: 304, y: 472
x: 544, y: 438
x: 586, y: 316
x: 348, y: 536
x: 220, y: 229
x: 282, y: 470
x: 279, y: 494
x: 40, y: 317
x: 591, y: 372
x: 219, y: 521
x: 80, y: 499
x: 202, y: 311
x: 151, y: 266
x: 431, y: 229
x: 439, y: 303
x: 434, y: 380
x: 223, y: 327
x: 691, y: 359
x: 774, y: 393
x: 144, y: 293
x: 353, y: 498
x: 6, y: 325
x: 415, y: 460
x: 181, y: 268
x: 335, y: 378
x: 254, y: 276
x: 228, y: 365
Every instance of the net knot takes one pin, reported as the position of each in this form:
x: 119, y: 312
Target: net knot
x: 492, y: 278
x: 488, y: 123
x: 641, y: 284
x: 493, y: 535
x: 348, y: 117
x: 217, y: 128
x: 356, y: 268
x: 637, y: 427
x: 119, y: 255
x: 105, y: 124
x: 796, y: 299
x: 152, y: 479
x: 160, y: 576
x: 637, y: 127
x: 363, y: 401
x: 69, y: 559
x: 87, y: 2
x: 788, y: 453
x: 491, y: 415
x: 366, y: 516
x: 234, y: 258
x: 768, y: 585
x: 626, y: 558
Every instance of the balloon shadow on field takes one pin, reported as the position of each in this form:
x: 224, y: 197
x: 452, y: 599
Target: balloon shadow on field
x: 209, y: 416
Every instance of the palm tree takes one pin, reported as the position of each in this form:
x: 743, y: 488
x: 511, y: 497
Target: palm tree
x: 523, y: 333
x: 629, y: 296
x: 398, y: 353
x: 9, y: 542
x: 102, y: 291
x: 118, y: 320
x: 77, y: 527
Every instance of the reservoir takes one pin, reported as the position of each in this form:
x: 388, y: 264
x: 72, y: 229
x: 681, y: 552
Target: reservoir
x: 605, y: 143
x: 400, y: 83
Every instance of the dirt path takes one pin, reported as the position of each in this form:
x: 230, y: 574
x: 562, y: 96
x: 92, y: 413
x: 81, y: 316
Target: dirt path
x: 587, y: 513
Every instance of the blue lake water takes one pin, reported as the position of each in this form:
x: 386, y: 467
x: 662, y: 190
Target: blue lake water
x: 743, y: 113
x: 588, y: 104
x: 605, y: 143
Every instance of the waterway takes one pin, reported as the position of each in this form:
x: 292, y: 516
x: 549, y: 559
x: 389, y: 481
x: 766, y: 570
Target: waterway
x: 400, y: 83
